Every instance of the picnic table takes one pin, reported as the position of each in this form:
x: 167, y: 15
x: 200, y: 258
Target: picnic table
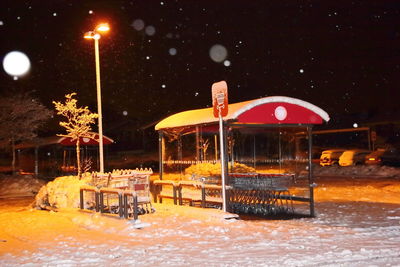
x: 122, y: 192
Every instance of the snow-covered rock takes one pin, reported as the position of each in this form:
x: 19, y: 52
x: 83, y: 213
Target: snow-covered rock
x: 63, y: 192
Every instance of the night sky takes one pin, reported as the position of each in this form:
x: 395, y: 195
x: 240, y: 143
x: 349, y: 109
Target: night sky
x: 161, y: 57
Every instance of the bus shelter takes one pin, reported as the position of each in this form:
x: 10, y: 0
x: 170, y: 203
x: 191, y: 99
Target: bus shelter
x: 268, y: 149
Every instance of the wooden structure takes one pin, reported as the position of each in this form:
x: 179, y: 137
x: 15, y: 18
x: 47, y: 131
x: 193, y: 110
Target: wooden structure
x: 57, y: 153
x: 268, y: 145
x: 122, y: 192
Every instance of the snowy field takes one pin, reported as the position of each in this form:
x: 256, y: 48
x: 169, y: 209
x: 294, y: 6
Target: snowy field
x: 357, y: 224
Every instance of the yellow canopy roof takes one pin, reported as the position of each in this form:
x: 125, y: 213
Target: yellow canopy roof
x: 205, y: 115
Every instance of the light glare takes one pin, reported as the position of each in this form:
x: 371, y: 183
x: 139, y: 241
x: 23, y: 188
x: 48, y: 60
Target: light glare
x: 16, y: 64
x: 103, y: 27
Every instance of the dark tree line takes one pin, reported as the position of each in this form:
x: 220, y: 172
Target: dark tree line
x: 21, y: 116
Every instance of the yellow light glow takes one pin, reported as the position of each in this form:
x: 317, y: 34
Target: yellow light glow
x: 103, y: 27
x: 88, y: 35
x: 371, y: 158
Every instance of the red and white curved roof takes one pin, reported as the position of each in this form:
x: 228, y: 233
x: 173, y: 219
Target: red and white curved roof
x: 267, y: 110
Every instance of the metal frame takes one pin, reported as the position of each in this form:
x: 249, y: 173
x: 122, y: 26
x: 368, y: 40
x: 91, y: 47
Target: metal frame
x: 226, y: 126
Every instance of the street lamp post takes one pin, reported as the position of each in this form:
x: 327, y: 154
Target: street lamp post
x: 95, y: 35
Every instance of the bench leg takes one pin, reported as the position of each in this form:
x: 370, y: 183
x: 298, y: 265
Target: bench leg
x: 121, y: 206
x: 81, y: 201
x: 101, y: 202
x: 135, y: 208
x: 203, y: 197
x: 177, y: 195
x: 97, y: 200
x: 126, y: 214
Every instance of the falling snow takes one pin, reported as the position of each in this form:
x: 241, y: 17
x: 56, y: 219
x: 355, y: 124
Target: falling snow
x: 150, y: 30
x: 172, y: 51
x: 348, y: 52
x: 138, y: 24
x: 218, y: 53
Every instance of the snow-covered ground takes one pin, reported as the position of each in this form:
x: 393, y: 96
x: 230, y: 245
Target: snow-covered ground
x: 357, y: 224
x: 19, y: 186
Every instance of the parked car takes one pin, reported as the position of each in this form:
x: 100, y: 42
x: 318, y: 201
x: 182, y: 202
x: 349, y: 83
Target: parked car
x: 391, y: 157
x: 374, y: 158
x: 330, y: 157
x: 353, y: 157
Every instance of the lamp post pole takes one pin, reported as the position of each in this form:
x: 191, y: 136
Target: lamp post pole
x: 97, y: 59
x: 95, y: 35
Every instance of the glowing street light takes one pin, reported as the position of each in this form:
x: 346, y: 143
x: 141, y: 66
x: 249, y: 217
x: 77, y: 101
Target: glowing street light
x: 103, y: 27
x: 95, y: 35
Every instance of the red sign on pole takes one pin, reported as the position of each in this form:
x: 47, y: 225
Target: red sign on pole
x: 220, y: 98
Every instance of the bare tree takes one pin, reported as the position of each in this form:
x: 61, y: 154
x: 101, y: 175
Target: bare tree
x: 78, y: 122
x: 20, y: 118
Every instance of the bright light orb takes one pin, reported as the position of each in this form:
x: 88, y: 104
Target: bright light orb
x: 218, y: 53
x: 172, y: 51
x: 150, y: 30
x: 16, y: 64
x: 227, y: 63
x: 355, y: 125
x: 138, y: 24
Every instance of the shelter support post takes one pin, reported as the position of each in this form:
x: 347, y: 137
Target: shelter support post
x: 254, y: 152
x: 180, y: 157
x: 310, y: 171
x: 370, y: 141
x: 216, y: 147
x: 197, y: 144
x: 161, y: 149
x: 36, y: 161
x: 222, y: 139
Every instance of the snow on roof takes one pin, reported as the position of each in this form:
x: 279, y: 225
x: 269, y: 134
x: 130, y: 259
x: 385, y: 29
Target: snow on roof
x: 262, y: 110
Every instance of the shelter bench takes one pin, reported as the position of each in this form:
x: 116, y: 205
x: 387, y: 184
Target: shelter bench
x: 165, y: 189
x: 188, y: 192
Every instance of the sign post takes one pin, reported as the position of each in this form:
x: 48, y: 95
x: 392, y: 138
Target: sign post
x: 220, y: 105
x: 373, y: 139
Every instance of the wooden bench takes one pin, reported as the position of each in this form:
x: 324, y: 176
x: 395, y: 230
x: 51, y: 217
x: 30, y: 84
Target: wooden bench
x: 95, y: 195
x: 161, y: 190
x: 190, y: 192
